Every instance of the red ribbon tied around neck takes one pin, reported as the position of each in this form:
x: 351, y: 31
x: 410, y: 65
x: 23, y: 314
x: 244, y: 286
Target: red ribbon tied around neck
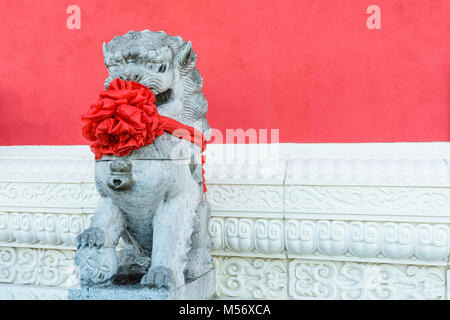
x: 125, y: 118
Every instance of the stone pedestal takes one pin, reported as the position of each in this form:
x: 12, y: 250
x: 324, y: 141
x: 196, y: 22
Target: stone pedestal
x: 201, y: 288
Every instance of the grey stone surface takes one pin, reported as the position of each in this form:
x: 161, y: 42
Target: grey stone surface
x: 152, y: 199
x: 201, y: 288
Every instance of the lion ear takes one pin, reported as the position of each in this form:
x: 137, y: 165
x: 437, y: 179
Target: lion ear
x: 187, y: 57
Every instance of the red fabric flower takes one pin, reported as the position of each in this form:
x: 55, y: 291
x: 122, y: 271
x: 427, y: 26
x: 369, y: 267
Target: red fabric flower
x: 125, y: 118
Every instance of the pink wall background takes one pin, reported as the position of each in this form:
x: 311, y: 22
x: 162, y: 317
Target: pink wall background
x: 310, y: 68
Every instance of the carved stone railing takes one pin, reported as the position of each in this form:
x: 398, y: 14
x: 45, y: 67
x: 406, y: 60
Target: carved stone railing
x: 321, y: 221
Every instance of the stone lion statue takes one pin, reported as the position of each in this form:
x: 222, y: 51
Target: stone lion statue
x: 152, y: 199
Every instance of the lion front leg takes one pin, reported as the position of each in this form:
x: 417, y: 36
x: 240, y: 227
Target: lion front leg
x: 96, y: 256
x: 169, y: 251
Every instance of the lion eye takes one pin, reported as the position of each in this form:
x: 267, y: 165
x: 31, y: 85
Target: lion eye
x: 162, y: 68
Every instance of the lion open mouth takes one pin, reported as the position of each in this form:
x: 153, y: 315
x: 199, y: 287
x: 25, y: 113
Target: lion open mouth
x: 163, y: 97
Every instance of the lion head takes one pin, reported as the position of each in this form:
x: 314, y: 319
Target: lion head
x: 164, y: 64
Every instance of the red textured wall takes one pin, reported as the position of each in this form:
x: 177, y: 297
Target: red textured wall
x: 308, y: 67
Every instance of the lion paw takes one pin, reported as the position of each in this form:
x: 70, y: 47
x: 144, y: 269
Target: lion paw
x: 159, y: 277
x: 91, y: 237
x: 95, y: 266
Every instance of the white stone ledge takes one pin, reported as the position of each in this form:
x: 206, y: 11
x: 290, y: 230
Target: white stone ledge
x: 332, y: 240
x: 28, y: 292
x: 388, y: 164
x: 308, y: 213
x: 257, y: 278
x: 350, y: 240
x: 368, y: 200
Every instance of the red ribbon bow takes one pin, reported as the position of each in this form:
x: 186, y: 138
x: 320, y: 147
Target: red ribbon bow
x: 125, y: 118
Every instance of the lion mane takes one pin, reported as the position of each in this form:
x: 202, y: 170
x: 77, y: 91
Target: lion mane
x: 147, y: 46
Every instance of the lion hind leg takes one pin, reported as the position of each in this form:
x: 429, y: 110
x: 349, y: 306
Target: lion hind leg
x: 168, y: 254
x: 199, y: 258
